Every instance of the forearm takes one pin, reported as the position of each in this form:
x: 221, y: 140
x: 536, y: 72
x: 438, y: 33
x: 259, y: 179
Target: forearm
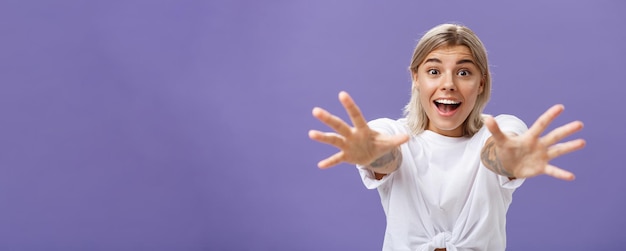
x: 490, y: 159
x: 386, y: 164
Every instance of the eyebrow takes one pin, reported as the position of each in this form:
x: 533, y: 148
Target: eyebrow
x: 462, y: 61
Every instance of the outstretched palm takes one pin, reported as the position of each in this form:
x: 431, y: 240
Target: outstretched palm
x: 359, y: 144
x: 528, y: 155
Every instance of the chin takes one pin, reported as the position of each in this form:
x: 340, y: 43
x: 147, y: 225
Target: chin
x: 445, y: 126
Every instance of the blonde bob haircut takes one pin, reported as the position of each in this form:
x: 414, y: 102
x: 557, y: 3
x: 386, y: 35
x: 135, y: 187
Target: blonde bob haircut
x: 442, y: 36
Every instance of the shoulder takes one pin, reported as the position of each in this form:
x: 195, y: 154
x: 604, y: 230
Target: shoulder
x: 510, y: 123
x: 389, y: 125
x: 508, y: 118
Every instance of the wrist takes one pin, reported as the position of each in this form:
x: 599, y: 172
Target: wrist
x: 386, y: 163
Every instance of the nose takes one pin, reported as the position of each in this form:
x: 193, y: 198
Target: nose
x: 448, y: 82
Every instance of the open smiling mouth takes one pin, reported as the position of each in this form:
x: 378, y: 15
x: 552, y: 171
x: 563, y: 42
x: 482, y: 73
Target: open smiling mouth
x: 447, y: 106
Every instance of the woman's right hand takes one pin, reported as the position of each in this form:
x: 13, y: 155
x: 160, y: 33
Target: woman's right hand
x: 357, y: 145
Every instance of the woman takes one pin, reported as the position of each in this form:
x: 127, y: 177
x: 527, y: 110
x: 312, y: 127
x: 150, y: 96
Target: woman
x: 446, y: 173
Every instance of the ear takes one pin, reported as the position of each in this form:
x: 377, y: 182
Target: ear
x: 481, y: 88
x: 415, y: 82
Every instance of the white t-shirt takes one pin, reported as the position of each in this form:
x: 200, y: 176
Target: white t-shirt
x: 442, y: 196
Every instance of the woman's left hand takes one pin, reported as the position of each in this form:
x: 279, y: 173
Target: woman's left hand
x: 528, y: 155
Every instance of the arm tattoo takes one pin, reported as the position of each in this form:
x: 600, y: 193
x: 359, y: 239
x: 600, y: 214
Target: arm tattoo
x: 387, y: 158
x: 491, y: 160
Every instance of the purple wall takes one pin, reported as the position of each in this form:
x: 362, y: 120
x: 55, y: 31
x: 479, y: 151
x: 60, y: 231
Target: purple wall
x: 182, y: 125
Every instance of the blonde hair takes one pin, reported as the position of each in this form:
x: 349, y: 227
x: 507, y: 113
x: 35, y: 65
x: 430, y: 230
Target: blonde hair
x: 442, y: 36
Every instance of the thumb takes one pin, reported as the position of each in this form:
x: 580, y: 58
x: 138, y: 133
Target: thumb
x: 559, y: 173
x: 493, y: 127
x: 397, y: 140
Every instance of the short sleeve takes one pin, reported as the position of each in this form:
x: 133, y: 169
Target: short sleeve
x: 370, y: 181
x: 510, y: 184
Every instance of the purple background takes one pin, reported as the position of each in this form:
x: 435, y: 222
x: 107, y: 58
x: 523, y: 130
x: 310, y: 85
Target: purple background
x: 182, y: 125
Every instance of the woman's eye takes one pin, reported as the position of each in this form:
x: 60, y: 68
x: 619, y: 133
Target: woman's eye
x: 464, y: 73
x: 433, y: 72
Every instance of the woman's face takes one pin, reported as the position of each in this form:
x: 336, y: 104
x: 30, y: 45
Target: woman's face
x: 449, y: 82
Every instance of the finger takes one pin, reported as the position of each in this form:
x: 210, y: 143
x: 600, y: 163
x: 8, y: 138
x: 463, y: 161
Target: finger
x: 493, y: 127
x: 332, y: 121
x: 327, y: 138
x: 331, y: 161
x: 544, y: 120
x: 353, y: 110
x: 560, y: 133
x: 559, y: 173
x: 565, y: 148
x: 397, y: 140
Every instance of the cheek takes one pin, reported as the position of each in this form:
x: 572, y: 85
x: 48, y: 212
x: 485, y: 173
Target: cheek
x: 472, y: 96
x: 425, y: 85
x: 424, y: 98
x: 422, y: 88
x: 473, y: 88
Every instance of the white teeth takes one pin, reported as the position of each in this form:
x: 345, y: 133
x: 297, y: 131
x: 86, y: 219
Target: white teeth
x: 447, y: 102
